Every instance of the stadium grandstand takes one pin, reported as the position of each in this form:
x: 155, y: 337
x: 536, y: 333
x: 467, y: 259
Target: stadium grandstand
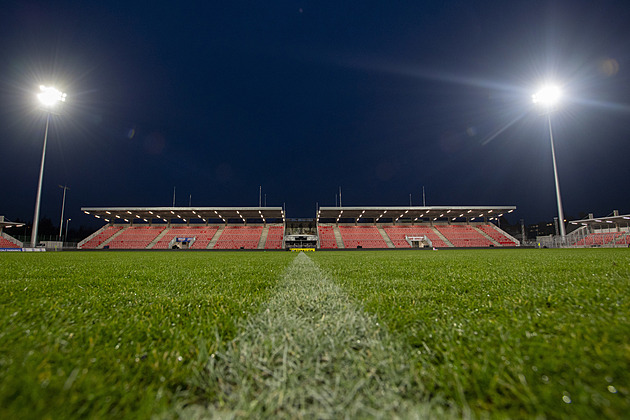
x: 267, y: 228
x: 7, y: 242
x: 608, y: 231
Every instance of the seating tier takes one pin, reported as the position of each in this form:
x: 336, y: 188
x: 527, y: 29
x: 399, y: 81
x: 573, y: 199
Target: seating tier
x: 275, y: 235
x: 202, y: 234
x: 605, y: 238
x: 327, y: 237
x: 5, y: 243
x: 397, y: 235
x: 136, y: 237
x: 362, y: 236
x: 496, y: 235
x: 463, y: 236
x: 101, y: 237
x: 236, y: 237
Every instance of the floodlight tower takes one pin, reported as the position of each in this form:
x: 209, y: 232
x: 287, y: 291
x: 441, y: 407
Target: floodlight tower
x: 66, y: 237
x: 547, y: 98
x: 49, y: 97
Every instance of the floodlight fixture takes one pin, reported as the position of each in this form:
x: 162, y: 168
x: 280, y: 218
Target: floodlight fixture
x: 548, y: 96
x: 50, y: 96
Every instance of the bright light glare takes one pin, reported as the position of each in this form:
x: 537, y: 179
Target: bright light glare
x: 547, y: 96
x: 49, y: 96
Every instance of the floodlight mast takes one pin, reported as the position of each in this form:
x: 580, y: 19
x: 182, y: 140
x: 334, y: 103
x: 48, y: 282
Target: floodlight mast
x: 548, y: 98
x: 49, y: 97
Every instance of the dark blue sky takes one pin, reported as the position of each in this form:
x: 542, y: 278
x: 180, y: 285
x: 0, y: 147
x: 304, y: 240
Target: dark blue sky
x: 301, y: 97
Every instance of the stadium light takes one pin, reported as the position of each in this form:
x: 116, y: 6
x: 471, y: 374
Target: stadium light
x: 49, y: 97
x: 67, y: 222
x: 548, y: 97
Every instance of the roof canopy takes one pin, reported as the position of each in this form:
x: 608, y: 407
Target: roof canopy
x: 604, y: 222
x: 276, y: 214
x: 413, y: 213
x: 6, y: 223
x: 167, y: 214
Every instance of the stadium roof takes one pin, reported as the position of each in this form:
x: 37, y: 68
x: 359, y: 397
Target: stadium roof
x: 265, y: 214
x: 600, y: 222
x: 248, y: 214
x: 414, y: 213
x: 7, y: 224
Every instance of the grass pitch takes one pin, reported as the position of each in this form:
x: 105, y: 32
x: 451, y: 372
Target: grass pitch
x: 117, y: 334
x: 488, y: 333
x: 506, y: 333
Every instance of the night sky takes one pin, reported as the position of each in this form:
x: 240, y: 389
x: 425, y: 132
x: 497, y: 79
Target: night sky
x: 302, y: 97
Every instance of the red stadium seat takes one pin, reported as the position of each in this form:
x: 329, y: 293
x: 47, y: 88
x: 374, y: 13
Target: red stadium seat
x: 463, y: 236
x: 362, y: 236
x: 237, y: 237
x: 397, y: 235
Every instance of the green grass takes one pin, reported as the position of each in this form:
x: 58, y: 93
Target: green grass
x: 117, y: 334
x: 312, y: 353
x: 490, y: 333
x: 509, y: 333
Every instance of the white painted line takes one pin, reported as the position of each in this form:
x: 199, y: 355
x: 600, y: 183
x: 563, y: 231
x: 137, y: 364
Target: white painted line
x: 312, y: 353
